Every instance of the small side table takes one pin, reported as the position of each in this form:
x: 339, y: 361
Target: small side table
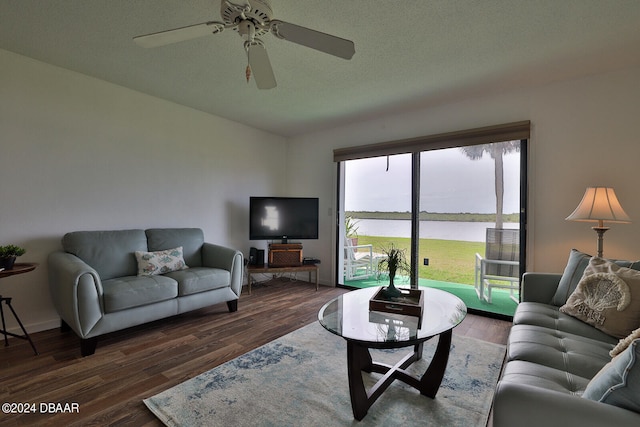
x: 18, y: 268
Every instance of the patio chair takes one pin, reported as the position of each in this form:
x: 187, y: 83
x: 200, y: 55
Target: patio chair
x: 360, y: 261
x: 500, y: 267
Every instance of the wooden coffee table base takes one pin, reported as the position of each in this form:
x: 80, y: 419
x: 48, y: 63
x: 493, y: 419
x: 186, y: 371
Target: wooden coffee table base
x: 359, y: 359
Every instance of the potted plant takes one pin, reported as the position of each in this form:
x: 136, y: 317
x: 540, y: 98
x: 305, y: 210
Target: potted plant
x: 8, y: 255
x: 351, y: 230
x: 393, y: 261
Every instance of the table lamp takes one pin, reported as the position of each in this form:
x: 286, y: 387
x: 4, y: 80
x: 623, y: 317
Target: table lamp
x: 599, y: 204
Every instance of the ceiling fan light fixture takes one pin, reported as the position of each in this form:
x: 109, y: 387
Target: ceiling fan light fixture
x: 247, y: 30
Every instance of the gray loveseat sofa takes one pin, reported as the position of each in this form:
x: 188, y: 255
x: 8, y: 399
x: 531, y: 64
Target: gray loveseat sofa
x: 101, y: 282
x: 553, y: 357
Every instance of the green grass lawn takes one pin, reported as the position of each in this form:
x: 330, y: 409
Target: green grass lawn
x: 449, y: 260
x: 451, y: 268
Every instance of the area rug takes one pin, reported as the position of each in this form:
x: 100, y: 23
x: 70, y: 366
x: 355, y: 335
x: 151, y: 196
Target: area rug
x: 300, y: 379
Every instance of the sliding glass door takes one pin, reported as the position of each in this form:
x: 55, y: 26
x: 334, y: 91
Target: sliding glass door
x: 376, y: 214
x: 470, y: 224
x: 467, y: 204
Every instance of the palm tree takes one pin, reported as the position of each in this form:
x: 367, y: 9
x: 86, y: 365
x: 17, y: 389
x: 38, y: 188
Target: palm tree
x: 496, y: 150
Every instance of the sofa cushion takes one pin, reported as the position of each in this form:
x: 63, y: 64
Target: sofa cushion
x: 573, y: 272
x: 160, y: 262
x: 549, y: 316
x: 573, y: 354
x: 134, y: 291
x: 607, y: 297
x: 200, y: 279
x: 191, y: 240
x: 110, y: 253
x: 618, y: 383
x: 530, y: 373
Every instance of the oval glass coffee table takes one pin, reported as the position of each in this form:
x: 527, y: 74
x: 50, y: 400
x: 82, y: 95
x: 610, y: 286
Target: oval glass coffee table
x: 349, y: 316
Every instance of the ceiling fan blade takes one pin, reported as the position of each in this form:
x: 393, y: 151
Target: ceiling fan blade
x: 179, y: 34
x: 260, y: 65
x: 314, y: 39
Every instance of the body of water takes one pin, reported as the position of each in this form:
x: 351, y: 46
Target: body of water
x: 445, y: 230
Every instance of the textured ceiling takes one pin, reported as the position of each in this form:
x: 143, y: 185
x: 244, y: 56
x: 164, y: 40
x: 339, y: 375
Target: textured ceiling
x: 409, y: 53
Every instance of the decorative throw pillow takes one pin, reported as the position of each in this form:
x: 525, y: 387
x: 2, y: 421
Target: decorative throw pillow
x: 160, y: 262
x: 624, y: 343
x: 607, y: 297
x: 573, y: 272
x: 618, y: 382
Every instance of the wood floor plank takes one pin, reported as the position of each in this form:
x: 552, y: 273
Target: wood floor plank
x: 131, y: 365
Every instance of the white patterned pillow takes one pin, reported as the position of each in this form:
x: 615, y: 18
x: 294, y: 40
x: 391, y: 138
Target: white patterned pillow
x: 607, y: 297
x: 160, y: 262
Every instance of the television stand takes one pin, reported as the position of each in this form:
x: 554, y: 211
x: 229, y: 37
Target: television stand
x: 266, y: 269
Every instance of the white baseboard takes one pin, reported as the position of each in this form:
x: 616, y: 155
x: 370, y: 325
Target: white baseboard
x: 32, y: 328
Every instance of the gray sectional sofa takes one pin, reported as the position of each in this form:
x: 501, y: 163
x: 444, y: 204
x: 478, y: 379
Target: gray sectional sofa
x: 553, y: 357
x: 105, y: 281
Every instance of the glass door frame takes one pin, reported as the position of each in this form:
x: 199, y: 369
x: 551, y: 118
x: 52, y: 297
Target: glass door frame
x: 415, y: 213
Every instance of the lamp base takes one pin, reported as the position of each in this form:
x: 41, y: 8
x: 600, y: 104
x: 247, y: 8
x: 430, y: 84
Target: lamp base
x: 600, y: 231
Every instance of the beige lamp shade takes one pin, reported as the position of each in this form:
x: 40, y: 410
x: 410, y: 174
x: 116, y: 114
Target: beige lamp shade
x: 599, y: 204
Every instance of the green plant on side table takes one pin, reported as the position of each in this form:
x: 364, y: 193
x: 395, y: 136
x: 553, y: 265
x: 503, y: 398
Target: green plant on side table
x: 394, y: 261
x: 8, y: 255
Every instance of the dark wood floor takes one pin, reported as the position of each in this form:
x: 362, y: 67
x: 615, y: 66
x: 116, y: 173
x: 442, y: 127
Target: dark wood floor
x: 131, y: 365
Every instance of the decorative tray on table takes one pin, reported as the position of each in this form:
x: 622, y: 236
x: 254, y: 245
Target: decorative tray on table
x: 409, y: 303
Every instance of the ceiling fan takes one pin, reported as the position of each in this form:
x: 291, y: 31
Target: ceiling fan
x: 251, y: 19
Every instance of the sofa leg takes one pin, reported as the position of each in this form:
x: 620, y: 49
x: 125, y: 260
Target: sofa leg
x: 233, y: 305
x: 64, y: 327
x: 88, y: 346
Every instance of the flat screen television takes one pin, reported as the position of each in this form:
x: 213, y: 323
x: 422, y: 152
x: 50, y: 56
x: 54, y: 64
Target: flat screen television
x: 283, y: 218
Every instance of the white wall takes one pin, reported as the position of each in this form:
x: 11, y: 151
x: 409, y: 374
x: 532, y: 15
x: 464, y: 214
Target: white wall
x: 584, y: 133
x: 77, y: 153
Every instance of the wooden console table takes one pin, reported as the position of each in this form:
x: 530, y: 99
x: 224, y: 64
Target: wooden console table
x: 252, y: 269
x: 18, y: 268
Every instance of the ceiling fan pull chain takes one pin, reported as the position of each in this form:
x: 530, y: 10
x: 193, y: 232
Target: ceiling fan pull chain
x: 247, y: 71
